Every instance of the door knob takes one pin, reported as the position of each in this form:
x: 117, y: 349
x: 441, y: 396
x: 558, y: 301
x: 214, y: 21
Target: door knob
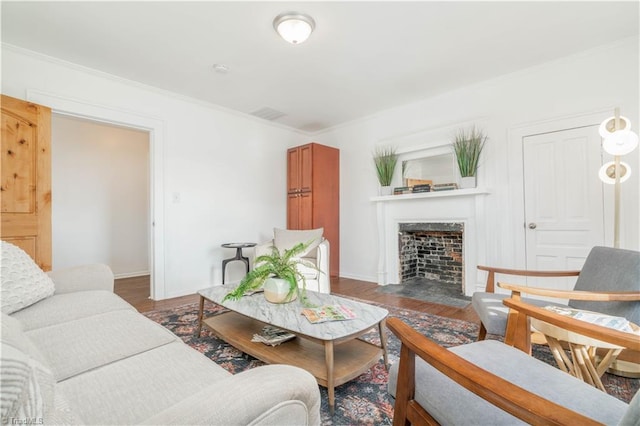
x: 532, y: 225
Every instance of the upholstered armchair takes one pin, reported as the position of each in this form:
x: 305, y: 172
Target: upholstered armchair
x: 609, y: 283
x: 489, y: 382
x: 317, y: 254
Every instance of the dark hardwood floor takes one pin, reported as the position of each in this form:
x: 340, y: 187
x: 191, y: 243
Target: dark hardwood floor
x: 136, y: 291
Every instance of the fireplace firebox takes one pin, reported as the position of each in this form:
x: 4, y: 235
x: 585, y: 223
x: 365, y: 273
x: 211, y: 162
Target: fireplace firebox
x: 433, y: 251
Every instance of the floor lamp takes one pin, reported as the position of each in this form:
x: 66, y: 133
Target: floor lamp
x: 618, y: 140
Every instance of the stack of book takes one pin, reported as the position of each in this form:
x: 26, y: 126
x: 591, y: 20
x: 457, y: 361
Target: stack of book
x: 444, y: 186
x: 272, y: 336
x: 399, y: 190
x: 421, y: 188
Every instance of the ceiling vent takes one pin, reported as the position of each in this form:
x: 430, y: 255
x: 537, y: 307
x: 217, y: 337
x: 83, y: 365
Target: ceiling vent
x: 268, y: 113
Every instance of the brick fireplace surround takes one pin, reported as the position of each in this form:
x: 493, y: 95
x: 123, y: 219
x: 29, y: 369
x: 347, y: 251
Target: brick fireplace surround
x: 433, y: 251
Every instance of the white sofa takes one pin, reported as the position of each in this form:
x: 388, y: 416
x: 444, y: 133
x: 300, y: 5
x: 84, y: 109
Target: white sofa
x: 316, y: 279
x: 85, y: 356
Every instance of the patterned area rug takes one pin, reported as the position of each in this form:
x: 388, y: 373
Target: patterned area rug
x: 363, y: 400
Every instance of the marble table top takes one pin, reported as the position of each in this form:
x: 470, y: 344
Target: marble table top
x: 289, y: 315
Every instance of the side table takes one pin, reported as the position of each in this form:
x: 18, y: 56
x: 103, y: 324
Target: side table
x: 583, y: 362
x: 238, y: 256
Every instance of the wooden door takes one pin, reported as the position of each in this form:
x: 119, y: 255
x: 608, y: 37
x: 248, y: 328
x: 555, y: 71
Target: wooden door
x: 300, y: 211
x: 305, y: 219
x: 293, y: 211
x: 26, y: 178
x: 300, y: 169
x: 563, y: 201
x: 293, y: 170
x: 306, y: 168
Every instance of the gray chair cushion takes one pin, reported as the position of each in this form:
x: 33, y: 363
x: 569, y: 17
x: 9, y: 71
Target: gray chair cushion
x: 493, y: 313
x: 610, y: 269
x: 632, y: 416
x: 451, y: 404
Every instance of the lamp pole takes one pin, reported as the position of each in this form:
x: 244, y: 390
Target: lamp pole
x: 617, y: 140
x: 616, y: 200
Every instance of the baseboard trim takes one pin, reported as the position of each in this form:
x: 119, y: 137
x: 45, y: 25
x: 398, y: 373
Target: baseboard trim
x: 358, y: 277
x: 131, y: 274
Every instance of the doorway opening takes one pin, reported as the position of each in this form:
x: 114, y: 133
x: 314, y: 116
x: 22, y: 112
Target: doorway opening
x: 101, y: 206
x: 134, y: 120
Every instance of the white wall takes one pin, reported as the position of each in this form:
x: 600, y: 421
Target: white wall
x: 595, y: 81
x: 100, y: 207
x: 228, y: 169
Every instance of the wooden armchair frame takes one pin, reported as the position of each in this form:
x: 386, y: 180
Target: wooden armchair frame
x: 513, y: 399
x: 491, y: 281
x: 518, y: 332
x: 491, y: 277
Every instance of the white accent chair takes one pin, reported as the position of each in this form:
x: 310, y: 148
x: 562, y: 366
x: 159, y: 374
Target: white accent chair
x: 318, y: 255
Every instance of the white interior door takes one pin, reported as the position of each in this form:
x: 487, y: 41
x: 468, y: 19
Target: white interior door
x: 564, y: 215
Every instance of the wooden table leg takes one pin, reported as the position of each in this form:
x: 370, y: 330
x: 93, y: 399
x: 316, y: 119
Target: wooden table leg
x: 383, y: 342
x: 200, y: 316
x: 328, y: 356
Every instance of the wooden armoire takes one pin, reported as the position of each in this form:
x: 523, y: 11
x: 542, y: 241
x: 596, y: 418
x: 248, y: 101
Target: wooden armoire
x: 313, y: 194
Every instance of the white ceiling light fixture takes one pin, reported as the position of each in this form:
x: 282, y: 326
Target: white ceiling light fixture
x: 294, y: 27
x: 221, y: 68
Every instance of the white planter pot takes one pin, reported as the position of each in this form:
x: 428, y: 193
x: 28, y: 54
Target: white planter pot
x: 276, y: 290
x: 468, y: 182
x: 386, y: 190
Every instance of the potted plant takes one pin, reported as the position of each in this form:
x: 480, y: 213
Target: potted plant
x: 278, y: 275
x: 385, y: 160
x: 468, y: 146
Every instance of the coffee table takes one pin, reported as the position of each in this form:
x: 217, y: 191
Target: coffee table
x: 330, y: 351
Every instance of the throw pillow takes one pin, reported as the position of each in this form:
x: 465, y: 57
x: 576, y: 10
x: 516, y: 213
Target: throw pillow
x: 27, y: 388
x: 23, y: 283
x: 284, y: 239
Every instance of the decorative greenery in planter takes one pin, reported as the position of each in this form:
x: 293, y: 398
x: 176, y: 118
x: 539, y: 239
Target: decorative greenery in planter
x: 276, y: 265
x: 468, y: 146
x: 385, y: 160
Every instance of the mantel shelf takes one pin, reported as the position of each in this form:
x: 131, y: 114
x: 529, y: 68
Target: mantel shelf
x: 438, y: 194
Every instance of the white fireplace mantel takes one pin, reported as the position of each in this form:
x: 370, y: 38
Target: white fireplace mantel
x: 461, y: 206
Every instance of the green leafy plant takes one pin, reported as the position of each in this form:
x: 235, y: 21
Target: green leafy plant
x: 276, y: 265
x: 385, y: 160
x: 468, y: 146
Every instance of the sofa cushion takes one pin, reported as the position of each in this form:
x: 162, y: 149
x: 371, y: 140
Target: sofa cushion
x: 61, y: 308
x: 23, y: 283
x: 73, y: 347
x: 443, y: 398
x: 13, y: 335
x: 284, y: 239
x: 141, y: 386
x: 307, y: 271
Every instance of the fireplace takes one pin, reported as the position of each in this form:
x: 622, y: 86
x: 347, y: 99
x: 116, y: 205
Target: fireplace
x: 459, y: 210
x: 432, y: 251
